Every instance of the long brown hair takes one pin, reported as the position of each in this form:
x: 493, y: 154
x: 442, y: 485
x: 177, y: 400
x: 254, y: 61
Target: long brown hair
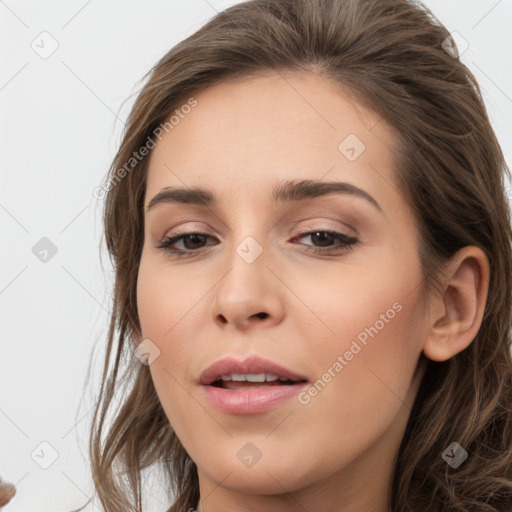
x: 391, y: 55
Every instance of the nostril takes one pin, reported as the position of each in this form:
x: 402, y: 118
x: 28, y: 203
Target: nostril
x: 262, y: 315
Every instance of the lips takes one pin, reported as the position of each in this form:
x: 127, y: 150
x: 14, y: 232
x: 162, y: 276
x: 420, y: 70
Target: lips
x: 224, y: 387
x: 222, y: 371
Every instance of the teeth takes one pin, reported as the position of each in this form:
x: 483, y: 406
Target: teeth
x: 256, y: 377
x: 253, y: 377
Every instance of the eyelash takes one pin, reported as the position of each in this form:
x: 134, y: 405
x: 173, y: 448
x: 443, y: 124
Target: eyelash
x: 347, y: 244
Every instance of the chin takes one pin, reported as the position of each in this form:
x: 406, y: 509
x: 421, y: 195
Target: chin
x: 264, y: 477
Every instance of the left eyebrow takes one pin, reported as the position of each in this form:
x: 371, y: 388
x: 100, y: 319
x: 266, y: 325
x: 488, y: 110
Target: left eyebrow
x: 295, y: 190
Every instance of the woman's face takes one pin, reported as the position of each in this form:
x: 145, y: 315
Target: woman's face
x: 326, y: 285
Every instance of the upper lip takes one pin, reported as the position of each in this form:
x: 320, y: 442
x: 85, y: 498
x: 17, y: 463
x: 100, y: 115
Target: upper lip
x: 253, y: 364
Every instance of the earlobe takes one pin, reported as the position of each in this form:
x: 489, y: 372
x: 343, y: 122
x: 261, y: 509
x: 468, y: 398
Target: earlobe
x: 456, y: 314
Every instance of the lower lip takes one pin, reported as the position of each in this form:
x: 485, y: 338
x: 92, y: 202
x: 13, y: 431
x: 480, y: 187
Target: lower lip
x: 250, y: 401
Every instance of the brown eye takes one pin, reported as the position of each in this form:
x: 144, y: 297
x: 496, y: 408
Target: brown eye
x: 323, y: 240
x: 192, y: 242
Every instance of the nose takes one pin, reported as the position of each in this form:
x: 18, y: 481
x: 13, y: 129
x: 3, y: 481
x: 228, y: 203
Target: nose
x: 249, y: 295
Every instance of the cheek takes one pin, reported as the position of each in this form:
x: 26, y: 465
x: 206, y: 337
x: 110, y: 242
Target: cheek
x: 367, y: 301
x: 168, y: 303
x: 367, y: 332
x: 165, y: 298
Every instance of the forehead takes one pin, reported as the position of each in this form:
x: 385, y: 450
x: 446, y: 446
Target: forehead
x: 249, y: 132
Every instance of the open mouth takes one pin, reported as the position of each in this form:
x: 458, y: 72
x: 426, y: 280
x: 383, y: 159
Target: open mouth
x: 231, y: 388
x: 253, y: 381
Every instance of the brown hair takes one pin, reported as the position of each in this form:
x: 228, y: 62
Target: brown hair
x: 390, y: 55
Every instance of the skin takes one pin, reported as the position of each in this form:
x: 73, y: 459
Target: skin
x: 7, y: 492
x: 337, y: 452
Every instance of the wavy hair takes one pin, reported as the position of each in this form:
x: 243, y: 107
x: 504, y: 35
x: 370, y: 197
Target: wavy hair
x: 392, y: 56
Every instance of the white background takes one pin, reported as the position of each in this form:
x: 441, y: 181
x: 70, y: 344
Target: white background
x: 61, y: 119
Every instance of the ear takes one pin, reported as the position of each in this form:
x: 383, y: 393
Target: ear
x: 456, y: 313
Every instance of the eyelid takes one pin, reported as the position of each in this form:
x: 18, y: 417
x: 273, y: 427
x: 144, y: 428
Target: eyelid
x: 326, y: 220
x: 315, y: 227
x: 345, y: 230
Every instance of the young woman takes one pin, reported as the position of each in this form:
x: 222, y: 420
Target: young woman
x: 312, y: 244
